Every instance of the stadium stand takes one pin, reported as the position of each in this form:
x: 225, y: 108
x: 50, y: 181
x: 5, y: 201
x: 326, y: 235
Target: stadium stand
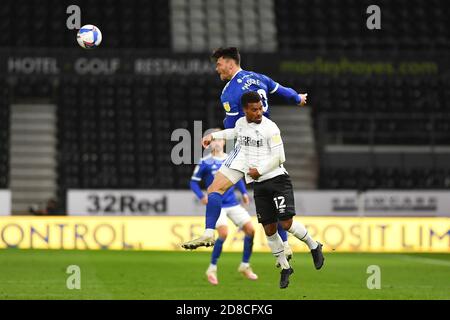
x: 145, y: 23
x: 114, y: 131
x: 384, y: 178
x: 378, y: 110
x: 198, y: 26
x: 4, y: 134
x: 341, y: 25
x: 124, y: 138
x: 398, y: 112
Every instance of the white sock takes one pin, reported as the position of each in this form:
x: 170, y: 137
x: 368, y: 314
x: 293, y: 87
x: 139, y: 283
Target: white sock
x: 212, y: 267
x: 286, y: 244
x: 209, y: 233
x: 276, y: 245
x: 299, y: 231
x: 245, y: 264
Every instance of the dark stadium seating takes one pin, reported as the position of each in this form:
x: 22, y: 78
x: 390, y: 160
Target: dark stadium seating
x: 378, y: 110
x: 116, y: 133
x: 124, y: 23
x: 341, y: 25
x: 301, y: 24
x: 4, y: 134
x: 384, y: 178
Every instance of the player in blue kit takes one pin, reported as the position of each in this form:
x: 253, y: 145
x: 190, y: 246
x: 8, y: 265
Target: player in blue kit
x: 239, y: 81
x: 231, y: 208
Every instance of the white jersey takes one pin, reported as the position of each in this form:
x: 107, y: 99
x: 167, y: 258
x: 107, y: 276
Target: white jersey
x: 255, y: 148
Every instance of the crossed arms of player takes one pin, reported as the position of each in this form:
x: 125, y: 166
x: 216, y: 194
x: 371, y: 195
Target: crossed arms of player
x: 276, y: 147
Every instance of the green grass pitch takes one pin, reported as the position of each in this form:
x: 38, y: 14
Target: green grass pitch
x: 41, y: 274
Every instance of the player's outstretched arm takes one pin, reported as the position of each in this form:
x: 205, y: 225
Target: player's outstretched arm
x: 303, y: 97
x: 291, y: 95
x: 287, y: 93
x: 223, y: 134
x: 226, y: 134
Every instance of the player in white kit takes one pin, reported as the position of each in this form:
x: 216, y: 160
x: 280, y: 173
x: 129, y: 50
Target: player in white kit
x: 259, y: 156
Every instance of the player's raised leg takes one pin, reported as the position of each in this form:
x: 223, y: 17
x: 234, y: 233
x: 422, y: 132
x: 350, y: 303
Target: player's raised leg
x: 215, y: 191
x: 299, y: 231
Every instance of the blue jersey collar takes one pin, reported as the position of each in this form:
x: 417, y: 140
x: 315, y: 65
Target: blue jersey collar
x: 240, y: 69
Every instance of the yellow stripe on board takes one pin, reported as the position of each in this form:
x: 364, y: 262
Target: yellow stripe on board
x: 340, y: 234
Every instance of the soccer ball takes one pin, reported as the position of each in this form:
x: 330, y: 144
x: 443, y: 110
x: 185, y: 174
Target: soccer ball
x: 89, y: 36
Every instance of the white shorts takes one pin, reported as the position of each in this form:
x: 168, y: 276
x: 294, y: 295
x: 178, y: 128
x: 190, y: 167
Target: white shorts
x: 232, y: 174
x: 237, y: 214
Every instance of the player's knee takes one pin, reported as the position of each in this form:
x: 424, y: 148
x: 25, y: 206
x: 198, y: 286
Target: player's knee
x: 270, y: 229
x: 211, y: 189
x: 223, y: 233
x: 220, y: 184
x: 286, y: 224
x: 248, y: 229
x: 223, y: 237
x: 214, y: 188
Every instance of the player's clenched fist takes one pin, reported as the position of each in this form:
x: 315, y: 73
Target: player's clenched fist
x: 245, y: 199
x: 253, y: 172
x: 204, y: 200
x: 206, y: 140
x: 303, y: 97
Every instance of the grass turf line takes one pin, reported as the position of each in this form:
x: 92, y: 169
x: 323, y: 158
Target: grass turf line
x: 41, y: 274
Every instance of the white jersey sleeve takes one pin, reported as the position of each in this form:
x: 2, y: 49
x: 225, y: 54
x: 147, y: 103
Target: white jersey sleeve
x: 224, y: 134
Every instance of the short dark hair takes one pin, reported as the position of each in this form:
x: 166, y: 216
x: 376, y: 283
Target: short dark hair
x: 230, y: 53
x: 250, y: 97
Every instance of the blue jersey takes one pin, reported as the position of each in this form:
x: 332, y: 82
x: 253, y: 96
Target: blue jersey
x: 244, y: 81
x: 205, y: 172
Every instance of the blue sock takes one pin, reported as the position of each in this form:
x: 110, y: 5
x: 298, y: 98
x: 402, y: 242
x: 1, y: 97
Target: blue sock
x: 217, y: 250
x: 282, y: 233
x: 248, y: 247
x: 213, y: 209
